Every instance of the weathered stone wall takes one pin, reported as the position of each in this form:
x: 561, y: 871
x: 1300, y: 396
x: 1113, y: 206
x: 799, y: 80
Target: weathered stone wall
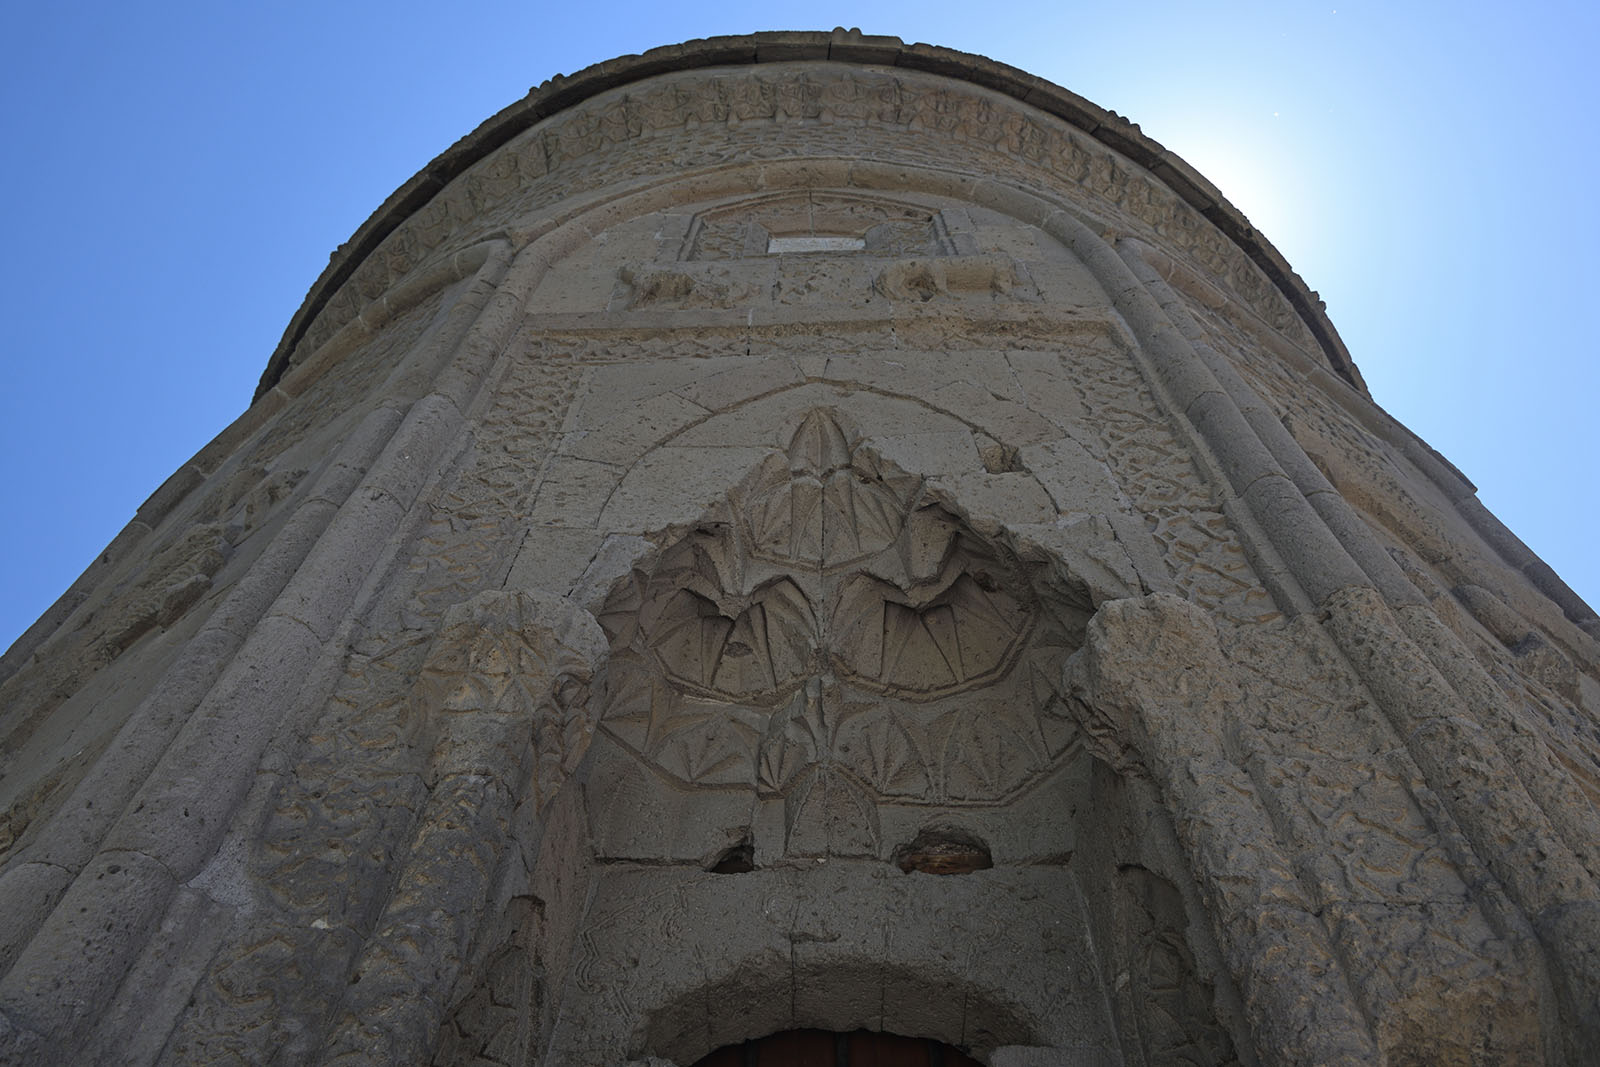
x: 612, y: 635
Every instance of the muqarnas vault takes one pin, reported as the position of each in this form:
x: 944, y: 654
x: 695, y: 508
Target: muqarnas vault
x: 802, y: 532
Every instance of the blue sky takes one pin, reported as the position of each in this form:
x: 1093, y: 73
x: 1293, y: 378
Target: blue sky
x: 179, y: 173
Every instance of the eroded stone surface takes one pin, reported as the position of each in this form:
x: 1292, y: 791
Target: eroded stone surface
x: 944, y: 578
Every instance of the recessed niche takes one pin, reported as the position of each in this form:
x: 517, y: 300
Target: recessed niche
x: 820, y: 1048
x: 943, y: 850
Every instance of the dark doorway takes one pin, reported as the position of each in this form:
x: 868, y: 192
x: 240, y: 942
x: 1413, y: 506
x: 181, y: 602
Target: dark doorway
x: 822, y: 1048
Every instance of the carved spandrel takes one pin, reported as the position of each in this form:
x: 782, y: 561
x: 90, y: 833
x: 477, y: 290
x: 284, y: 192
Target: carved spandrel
x: 1154, y: 468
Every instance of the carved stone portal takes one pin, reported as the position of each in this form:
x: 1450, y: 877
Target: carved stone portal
x: 326, y: 759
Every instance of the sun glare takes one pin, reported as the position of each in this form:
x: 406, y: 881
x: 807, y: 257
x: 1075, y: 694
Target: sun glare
x: 1261, y: 172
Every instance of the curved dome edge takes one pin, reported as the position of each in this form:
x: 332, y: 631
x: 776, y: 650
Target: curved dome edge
x: 851, y: 46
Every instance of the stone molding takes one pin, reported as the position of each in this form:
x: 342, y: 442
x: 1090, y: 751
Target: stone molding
x: 563, y: 93
x: 567, y: 545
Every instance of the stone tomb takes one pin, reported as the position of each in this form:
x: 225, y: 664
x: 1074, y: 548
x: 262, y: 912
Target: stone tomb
x: 794, y: 539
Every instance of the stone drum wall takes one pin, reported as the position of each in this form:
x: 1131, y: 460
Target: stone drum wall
x: 804, y: 533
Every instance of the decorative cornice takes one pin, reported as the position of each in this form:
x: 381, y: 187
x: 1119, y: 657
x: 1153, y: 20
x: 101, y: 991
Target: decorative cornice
x: 564, y: 92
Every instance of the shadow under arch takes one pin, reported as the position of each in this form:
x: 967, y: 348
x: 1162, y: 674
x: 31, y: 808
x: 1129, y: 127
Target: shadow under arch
x: 921, y: 1001
x: 861, y: 1048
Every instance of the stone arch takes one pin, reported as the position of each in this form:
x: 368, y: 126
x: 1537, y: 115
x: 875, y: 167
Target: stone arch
x: 643, y: 483
x: 1271, y: 995
x: 915, y: 997
x: 391, y: 1013
x: 826, y: 928
x: 828, y: 575
x: 1313, y: 767
x: 963, y: 440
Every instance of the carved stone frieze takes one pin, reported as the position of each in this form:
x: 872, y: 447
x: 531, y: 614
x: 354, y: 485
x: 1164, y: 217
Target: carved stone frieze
x: 601, y: 142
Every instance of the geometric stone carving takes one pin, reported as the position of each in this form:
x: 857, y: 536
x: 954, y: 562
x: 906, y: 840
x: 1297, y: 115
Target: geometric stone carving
x: 939, y: 614
x: 504, y: 692
x: 1176, y: 1022
x: 961, y: 634
x: 827, y: 630
x: 323, y: 761
x: 817, y: 512
x: 754, y: 650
